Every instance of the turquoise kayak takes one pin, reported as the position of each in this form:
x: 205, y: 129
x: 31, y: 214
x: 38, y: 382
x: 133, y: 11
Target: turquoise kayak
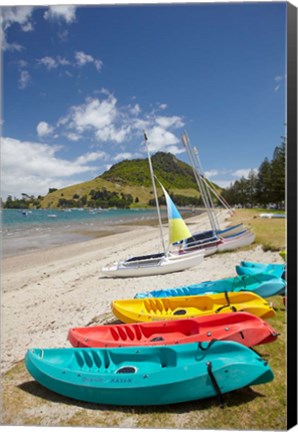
x: 252, y: 268
x: 262, y: 284
x: 148, y: 375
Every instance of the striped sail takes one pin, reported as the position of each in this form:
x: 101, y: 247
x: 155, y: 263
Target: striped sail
x: 177, y: 228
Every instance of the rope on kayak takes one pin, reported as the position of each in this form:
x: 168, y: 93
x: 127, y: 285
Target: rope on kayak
x: 200, y: 344
x: 226, y: 305
x: 215, y: 385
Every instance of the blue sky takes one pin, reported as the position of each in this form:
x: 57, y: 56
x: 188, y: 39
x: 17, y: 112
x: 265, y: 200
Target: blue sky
x: 80, y: 84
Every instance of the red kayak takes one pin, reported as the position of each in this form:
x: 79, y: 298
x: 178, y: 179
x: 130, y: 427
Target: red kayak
x: 241, y: 327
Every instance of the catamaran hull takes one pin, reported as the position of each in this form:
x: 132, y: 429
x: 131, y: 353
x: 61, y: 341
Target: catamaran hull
x: 165, y: 265
x: 224, y: 240
x: 237, y: 241
x: 228, y: 232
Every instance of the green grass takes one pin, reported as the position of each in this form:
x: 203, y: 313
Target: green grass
x: 270, y: 233
x: 263, y: 407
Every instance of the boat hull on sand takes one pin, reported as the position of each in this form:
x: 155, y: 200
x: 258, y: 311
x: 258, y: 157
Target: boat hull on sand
x: 168, y: 308
x: 244, y: 238
x: 241, y: 327
x: 147, y: 375
x: 232, y: 230
x: 158, y: 264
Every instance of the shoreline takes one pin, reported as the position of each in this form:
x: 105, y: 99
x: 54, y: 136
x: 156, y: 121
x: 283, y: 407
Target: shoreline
x: 46, y: 292
x: 30, y: 240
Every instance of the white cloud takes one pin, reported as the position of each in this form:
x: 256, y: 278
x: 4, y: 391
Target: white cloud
x: 66, y: 13
x: 53, y: 63
x: 211, y: 173
x: 44, y: 129
x: 126, y: 155
x: 33, y: 167
x: 135, y: 110
x: 9, y: 16
x: 17, y: 15
x: 279, y: 79
x: 159, y: 138
x: 91, y: 157
x: 224, y: 183
x: 166, y: 122
x: 22, y: 16
x: 98, y: 116
x: 24, y: 79
x: 244, y: 172
x: 73, y: 136
x: 102, y: 119
x: 174, y: 149
x: 163, y: 106
x: 48, y: 62
x: 83, y: 58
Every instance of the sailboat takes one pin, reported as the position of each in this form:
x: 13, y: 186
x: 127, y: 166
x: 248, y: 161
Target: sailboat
x: 215, y: 239
x: 161, y: 262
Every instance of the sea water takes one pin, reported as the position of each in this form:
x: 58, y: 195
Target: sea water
x: 14, y: 220
x: 24, y: 230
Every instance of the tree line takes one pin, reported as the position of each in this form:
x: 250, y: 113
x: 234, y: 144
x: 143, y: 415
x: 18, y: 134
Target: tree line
x: 98, y: 198
x: 263, y: 188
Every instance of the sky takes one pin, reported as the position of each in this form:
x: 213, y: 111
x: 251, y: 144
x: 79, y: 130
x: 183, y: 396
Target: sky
x: 80, y: 84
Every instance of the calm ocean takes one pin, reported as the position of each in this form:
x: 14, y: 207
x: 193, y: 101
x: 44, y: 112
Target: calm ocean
x: 14, y: 220
x: 29, y: 230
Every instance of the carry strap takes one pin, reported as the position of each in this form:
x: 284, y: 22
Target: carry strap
x: 200, y: 344
x: 226, y: 305
x: 215, y: 385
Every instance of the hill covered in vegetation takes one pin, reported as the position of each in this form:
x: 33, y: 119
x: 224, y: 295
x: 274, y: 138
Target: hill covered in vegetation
x: 172, y: 172
x: 127, y: 184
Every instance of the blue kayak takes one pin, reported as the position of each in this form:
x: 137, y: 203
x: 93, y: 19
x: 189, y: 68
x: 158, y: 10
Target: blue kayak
x: 262, y: 284
x: 148, y: 375
x: 252, y: 268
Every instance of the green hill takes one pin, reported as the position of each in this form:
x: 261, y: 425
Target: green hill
x: 128, y: 184
x: 171, y: 171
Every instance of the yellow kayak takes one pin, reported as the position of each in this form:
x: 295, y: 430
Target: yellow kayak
x: 170, y: 308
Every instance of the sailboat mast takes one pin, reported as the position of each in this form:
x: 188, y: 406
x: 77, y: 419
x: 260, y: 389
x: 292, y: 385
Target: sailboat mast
x: 198, y: 178
x: 196, y: 153
x: 218, y: 196
x: 155, y: 193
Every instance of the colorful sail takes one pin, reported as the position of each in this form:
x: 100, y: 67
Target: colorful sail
x: 177, y: 228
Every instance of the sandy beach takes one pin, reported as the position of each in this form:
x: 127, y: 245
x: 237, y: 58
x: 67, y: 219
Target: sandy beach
x: 46, y: 292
